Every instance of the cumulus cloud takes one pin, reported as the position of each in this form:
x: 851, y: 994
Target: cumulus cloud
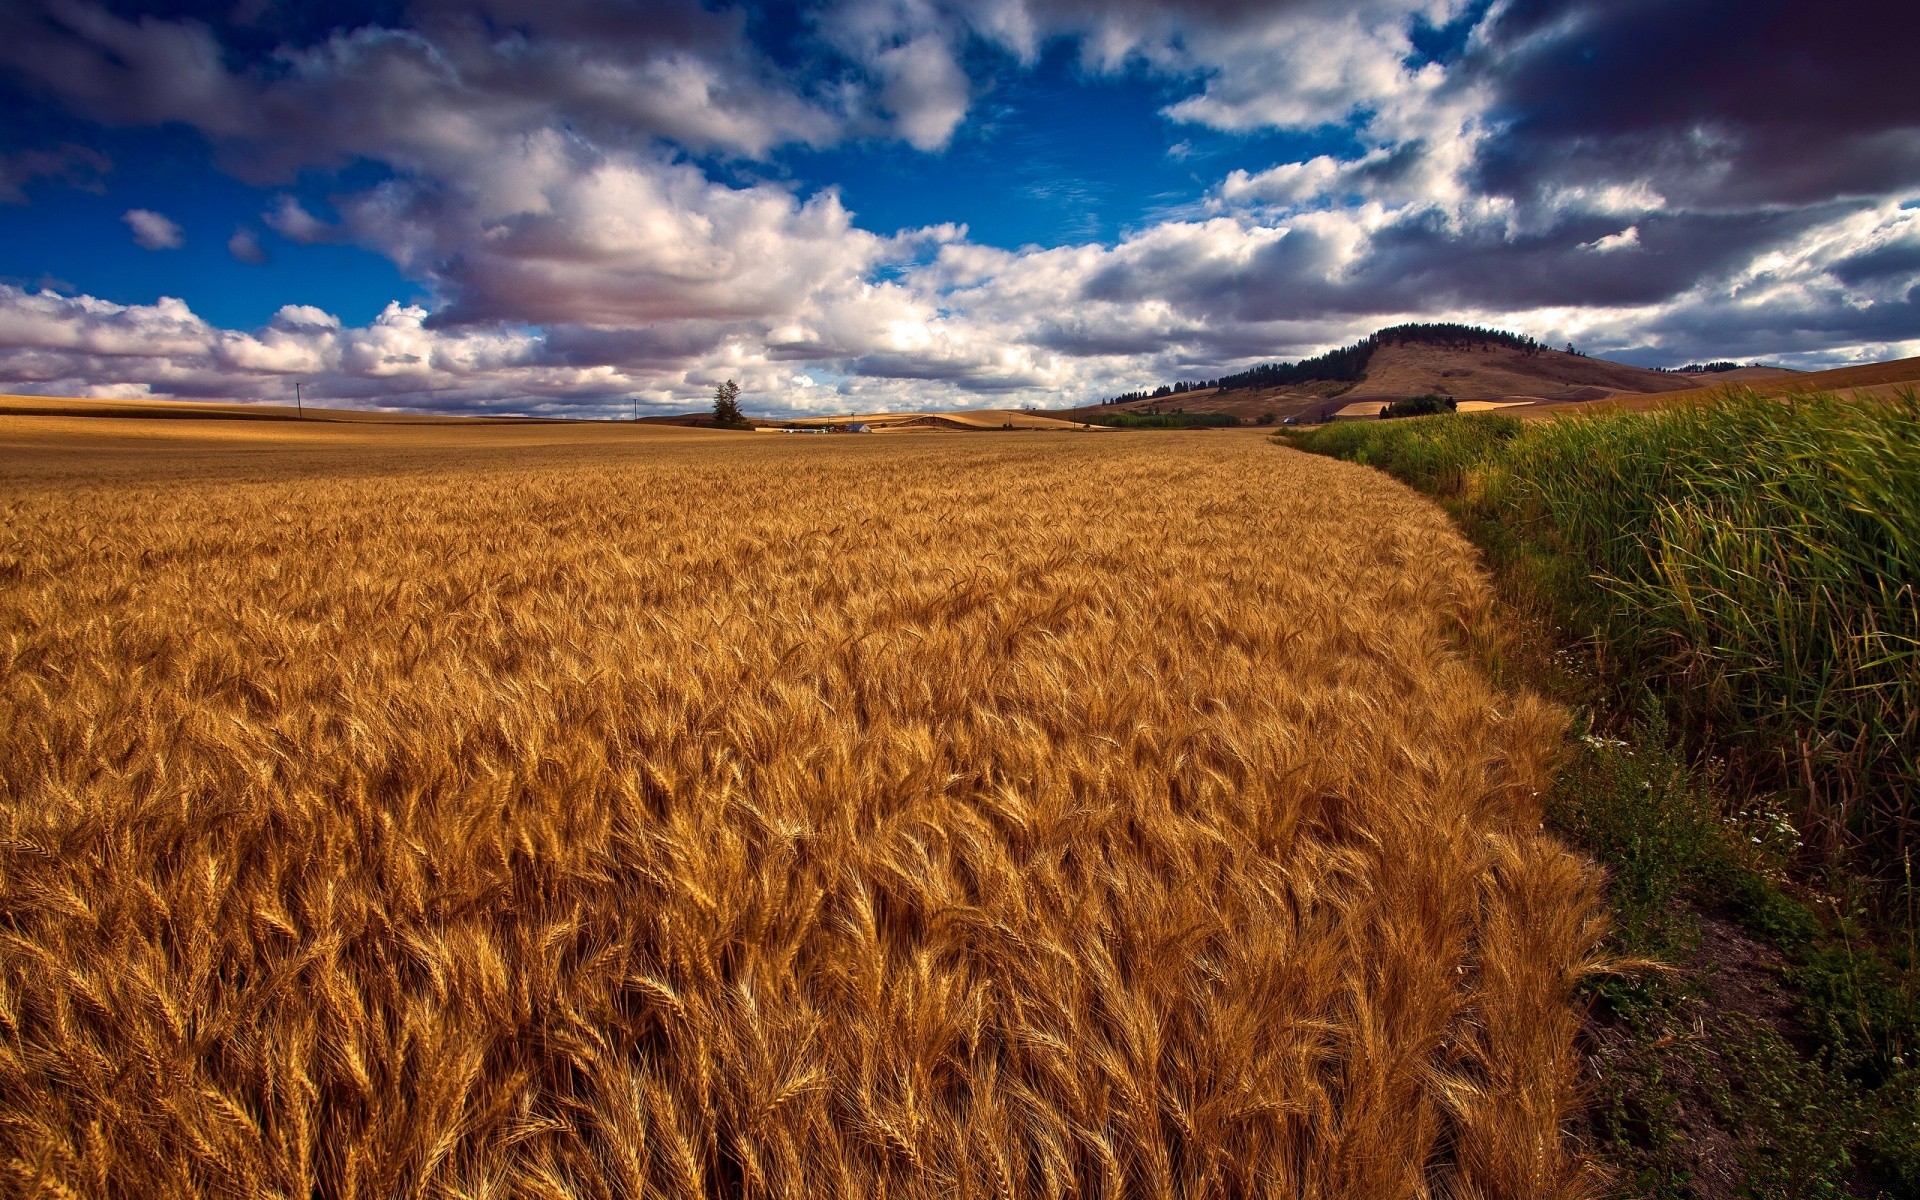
x: 152, y: 230
x: 53, y: 344
x: 925, y: 91
x: 585, y: 237
x: 1287, y: 183
x: 972, y: 325
x: 1301, y: 67
x: 909, y: 51
x: 245, y: 246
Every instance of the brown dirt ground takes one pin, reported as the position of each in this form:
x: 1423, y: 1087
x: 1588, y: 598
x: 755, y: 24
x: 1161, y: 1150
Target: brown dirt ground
x: 1736, y: 982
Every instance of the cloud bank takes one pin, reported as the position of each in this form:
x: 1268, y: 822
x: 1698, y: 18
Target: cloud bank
x: 1628, y: 176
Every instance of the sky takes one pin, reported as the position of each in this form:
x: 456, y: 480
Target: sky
x: 568, y: 208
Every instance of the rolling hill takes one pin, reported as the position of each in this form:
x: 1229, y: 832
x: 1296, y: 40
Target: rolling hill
x: 1494, y: 372
x: 1873, y: 379
x: 1465, y: 363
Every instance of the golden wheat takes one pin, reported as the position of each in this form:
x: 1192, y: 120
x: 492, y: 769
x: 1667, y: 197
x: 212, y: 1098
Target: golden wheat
x: 964, y: 815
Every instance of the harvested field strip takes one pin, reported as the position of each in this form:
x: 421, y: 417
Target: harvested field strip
x: 997, y: 817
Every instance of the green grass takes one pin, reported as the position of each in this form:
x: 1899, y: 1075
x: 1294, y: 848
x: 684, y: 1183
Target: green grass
x: 1433, y: 454
x: 1757, y: 560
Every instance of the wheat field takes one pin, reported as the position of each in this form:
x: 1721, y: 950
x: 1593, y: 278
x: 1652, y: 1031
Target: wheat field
x: 391, y: 813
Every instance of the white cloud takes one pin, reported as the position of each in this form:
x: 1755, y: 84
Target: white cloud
x: 910, y: 50
x: 1287, y: 183
x: 550, y: 231
x: 1626, y: 239
x: 1300, y: 70
x: 1613, y: 199
x: 304, y: 316
x: 152, y: 230
x: 925, y: 91
x: 53, y: 344
x: 1300, y: 65
x: 245, y: 246
x: 969, y: 326
x: 82, y: 325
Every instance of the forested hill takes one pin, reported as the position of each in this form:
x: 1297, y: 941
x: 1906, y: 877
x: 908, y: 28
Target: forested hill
x: 1348, y: 364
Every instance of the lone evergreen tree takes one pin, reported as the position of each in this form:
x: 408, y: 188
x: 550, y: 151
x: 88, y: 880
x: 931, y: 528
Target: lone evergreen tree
x: 726, y: 404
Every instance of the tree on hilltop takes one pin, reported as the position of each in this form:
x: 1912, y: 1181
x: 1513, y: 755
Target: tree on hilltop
x: 726, y: 404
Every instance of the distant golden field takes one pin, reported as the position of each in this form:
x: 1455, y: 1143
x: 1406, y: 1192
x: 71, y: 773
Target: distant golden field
x: 618, y: 814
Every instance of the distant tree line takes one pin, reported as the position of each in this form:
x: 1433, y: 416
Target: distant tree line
x: 1348, y: 364
x: 1712, y: 368
x: 1165, y: 390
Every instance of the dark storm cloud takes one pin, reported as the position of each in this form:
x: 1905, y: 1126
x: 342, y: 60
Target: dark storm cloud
x: 1721, y: 103
x: 74, y: 165
x: 415, y: 95
x: 1786, y: 327
x: 1421, y: 262
x: 1895, y: 261
x: 652, y: 347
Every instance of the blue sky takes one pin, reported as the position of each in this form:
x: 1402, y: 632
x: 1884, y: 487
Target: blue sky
x: 74, y: 239
x: 536, y: 205
x: 1052, y: 154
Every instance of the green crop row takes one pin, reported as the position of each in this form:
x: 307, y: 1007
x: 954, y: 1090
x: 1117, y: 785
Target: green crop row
x: 1755, y: 560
